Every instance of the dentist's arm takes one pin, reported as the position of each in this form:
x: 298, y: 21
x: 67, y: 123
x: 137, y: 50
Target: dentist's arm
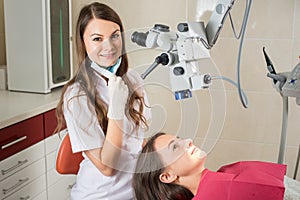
x: 106, y: 158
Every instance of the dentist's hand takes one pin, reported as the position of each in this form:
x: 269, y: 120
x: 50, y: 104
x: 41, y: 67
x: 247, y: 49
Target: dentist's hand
x: 118, y: 95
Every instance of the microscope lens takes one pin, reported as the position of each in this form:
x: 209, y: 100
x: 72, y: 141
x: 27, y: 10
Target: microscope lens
x: 139, y: 38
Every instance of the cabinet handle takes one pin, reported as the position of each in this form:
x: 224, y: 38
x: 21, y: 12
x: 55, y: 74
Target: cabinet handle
x: 14, y: 142
x: 25, y: 198
x: 19, y: 164
x: 19, y: 183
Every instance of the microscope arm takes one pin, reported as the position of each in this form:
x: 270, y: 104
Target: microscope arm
x: 217, y: 19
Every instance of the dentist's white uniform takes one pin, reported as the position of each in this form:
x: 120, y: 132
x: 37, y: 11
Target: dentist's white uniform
x: 86, y: 134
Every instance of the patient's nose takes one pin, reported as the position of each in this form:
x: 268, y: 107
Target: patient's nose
x: 189, y: 143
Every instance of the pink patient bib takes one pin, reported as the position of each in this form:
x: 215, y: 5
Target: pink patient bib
x: 248, y: 180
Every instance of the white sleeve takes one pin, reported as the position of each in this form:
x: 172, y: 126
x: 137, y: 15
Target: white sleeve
x: 82, y: 123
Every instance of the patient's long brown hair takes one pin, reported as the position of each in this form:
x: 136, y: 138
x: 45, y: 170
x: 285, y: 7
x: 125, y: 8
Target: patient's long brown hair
x: 146, y: 182
x: 85, y: 76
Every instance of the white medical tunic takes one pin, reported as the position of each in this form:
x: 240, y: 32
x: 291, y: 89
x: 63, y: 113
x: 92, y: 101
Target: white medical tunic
x: 86, y: 134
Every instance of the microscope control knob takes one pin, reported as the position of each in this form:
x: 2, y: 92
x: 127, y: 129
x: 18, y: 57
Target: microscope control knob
x: 183, y: 27
x: 207, y: 79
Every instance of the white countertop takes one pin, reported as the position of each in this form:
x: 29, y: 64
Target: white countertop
x: 18, y: 106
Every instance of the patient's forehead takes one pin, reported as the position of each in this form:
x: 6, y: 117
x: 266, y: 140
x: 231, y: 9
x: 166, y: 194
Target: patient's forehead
x: 163, y: 141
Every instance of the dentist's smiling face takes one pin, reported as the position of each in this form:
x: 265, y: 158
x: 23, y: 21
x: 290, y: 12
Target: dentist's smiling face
x: 103, y: 41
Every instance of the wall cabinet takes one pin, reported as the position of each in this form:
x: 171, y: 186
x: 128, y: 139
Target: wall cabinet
x: 27, y: 166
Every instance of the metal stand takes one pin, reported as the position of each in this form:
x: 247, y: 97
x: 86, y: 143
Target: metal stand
x: 297, y: 163
x: 285, y: 108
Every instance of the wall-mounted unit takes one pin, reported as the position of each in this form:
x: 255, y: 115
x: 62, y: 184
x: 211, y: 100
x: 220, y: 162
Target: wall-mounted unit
x: 38, y: 44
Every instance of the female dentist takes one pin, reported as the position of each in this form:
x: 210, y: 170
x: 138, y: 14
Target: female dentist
x: 103, y: 107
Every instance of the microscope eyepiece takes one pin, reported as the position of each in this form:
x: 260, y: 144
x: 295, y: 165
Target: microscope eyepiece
x: 139, y: 38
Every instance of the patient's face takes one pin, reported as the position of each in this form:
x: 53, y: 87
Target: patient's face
x: 180, y: 155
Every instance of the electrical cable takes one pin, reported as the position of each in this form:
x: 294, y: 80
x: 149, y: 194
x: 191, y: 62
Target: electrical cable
x: 240, y: 36
x: 205, y: 44
x: 233, y: 83
x: 243, y: 30
x: 232, y: 24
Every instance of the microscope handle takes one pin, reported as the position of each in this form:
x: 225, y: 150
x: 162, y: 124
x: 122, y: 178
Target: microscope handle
x: 162, y: 59
x: 149, y: 70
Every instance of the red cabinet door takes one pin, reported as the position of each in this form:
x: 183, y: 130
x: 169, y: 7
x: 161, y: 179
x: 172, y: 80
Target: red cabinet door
x: 50, y: 122
x: 19, y: 136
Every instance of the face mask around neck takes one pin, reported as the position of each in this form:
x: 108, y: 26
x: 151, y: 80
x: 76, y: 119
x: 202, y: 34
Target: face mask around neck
x: 107, y: 71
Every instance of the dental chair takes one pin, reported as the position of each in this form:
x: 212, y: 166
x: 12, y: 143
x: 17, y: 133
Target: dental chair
x: 67, y: 162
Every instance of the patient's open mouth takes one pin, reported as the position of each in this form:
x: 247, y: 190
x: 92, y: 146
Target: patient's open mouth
x: 195, y: 149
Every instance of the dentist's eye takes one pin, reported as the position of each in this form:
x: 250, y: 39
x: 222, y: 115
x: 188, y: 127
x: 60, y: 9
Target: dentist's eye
x: 97, y: 39
x: 115, y: 36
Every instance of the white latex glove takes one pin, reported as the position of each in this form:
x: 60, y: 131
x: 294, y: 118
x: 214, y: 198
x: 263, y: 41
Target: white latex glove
x: 118, y: 95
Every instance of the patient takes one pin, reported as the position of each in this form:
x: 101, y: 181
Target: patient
x: 172, y: 168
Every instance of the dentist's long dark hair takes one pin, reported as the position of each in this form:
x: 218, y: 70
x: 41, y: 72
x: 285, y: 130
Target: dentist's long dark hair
x: 146, y: 182
x: 85, y: 75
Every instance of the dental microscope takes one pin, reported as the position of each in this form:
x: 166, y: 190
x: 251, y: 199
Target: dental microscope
x: 182, y: 49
